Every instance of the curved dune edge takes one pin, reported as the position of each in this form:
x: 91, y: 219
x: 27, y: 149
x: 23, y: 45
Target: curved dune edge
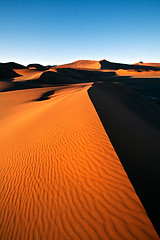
x: 60, y: 176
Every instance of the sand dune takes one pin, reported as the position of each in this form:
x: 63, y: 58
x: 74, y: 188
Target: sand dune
x: 82, y: 64
x: 148, y: 64
x: 7, y: 73
x: 104, y: 64
x: 60, y: 176
x: 37, y: 66
x: 116, y: 66
x: 138, y: 74
x: 61, y: 76
x: 27, y: 74
x: 12, y: 65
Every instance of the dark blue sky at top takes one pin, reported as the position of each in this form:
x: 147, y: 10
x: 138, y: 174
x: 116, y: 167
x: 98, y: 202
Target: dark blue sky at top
x: 54, y: 32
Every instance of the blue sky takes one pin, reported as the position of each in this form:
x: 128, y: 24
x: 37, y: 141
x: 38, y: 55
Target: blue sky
x: 55, y: 32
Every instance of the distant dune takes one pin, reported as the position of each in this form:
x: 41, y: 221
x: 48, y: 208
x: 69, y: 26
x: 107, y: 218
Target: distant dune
x: 27, y: 74
x: 13, y: 65
x: 115, y: 66
x: 148, y: 64
x: 58, y: 78
x: 37, y: 66
x: 82, y: 64
x: 7, y: 73
x: 138, y: 74
x: 61, y: 76
x: 104, y: 64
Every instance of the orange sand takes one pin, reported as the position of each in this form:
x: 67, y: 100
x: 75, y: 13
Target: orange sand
x: 82, y: 64
x: 60, y: 176
x: 27, y: 74
x: 136, y: 74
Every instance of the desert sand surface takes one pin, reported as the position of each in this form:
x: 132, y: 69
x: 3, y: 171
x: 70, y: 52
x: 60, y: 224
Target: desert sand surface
x: 79, y: 153
x: 60, y: 175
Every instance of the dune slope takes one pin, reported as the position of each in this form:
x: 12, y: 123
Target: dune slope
x: 60, y: 177
x: 132, y: 122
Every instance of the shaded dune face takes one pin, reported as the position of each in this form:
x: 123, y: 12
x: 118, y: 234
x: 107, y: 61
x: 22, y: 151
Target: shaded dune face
x: 7, y: 73
x: 57, y: 78
x: 60, y: 176
x: 133, y: 126
x: 139, y: 67
x: 68, y: 75
x: 13, y: 65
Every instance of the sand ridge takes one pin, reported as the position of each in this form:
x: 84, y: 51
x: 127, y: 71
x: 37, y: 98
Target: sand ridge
x: 82, y: 64
x: 60, y: 176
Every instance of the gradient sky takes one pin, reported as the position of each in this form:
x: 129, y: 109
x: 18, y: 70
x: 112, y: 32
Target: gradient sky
x: 55, y: 32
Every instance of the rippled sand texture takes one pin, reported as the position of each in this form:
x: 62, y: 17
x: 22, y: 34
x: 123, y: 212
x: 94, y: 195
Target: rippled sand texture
x: 60, y: 177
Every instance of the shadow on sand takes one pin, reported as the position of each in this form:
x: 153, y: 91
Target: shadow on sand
x: 132, y: 123
x: 61, y: 77
x: 45, y: 96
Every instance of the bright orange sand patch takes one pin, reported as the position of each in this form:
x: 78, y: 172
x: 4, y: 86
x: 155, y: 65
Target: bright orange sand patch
x: 60, y: 177
x: 136, y: 74
x: 27, y: 74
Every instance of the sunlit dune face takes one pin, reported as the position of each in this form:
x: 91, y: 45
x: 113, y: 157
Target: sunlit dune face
x: 25, y: 71
x: 134, y: 73
x: 148, y: 64
x: 27, y: 74
x: 33, y: 68
x: 122, y: 72
x: 83, y: 64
